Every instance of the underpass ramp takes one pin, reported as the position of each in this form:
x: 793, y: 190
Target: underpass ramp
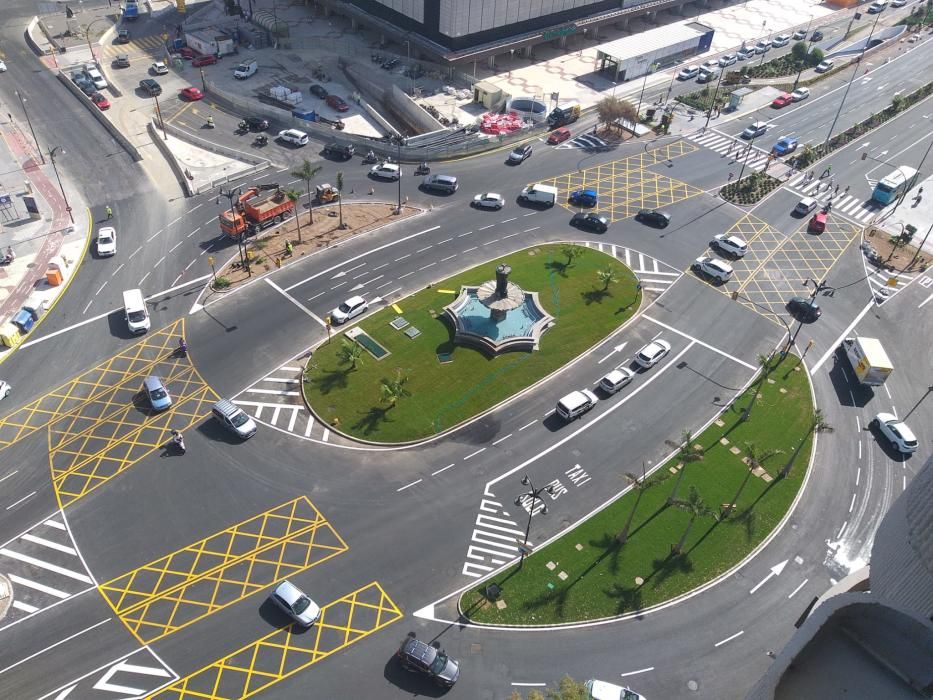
x: 173, y: 592
x: 258, y: 666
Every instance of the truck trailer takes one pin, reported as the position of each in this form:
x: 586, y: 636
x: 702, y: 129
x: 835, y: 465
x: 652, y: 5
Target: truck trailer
x: 869, y: 361
x: 257, y: 208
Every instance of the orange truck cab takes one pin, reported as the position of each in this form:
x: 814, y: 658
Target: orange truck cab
x: 254, y: 212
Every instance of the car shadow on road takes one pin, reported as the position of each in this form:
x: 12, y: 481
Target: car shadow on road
x: 410, y: 682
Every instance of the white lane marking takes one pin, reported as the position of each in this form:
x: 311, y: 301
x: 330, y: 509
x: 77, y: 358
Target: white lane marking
x: 449, y: 257
x: 48, y: 543
x: 408, y: 485
x: 464, y: 234
x: 339, y: 284
x: 15, y: 471
x: 403, y: 257
x: 528, y: 685
x: 483, y: 228
x: 154, y: 235
x: 309, y: 425
x: 38, y: 586
x: 384, y: 284
x: 729, y: 639
x: 401, y: 277
x: 425, y: 267
x: 843, y: 335
x: 502, y: 438
x: 133, y: 254
x: 442, y: 469
x: 25, y: 607
x: 102, y: 287
x: 188, y: 266
x: 705, y: 345
x: 362, y: 274
x: 291, y: 421
x: 87, y: 306
x: 114, y: 273
x: 294, y: 301
x: 52, y: 646
x: 470, y: 249
x: 494, y: 240
x: 446, y: 240
x: 529, y: 230
x: 282, y: 380
x: 421, y: 250
x: 196, y: 206
x: 275, y: 392
x: 175, y: 281
x: 45, y: 565
x: 316, y: 296
x: 54, y: 523
x: 517, y: 233
x: 852, y: 503
x: 24, y: 498
x: 527, y: 426
x: 797, y: 589
x: 532, y: 213
x: 172, y: 249
x: 842, y: 529
x: 473, y: 454
x: 635, y: 673
x: 380, y: 267
x: 392, y: 291
x: 194, y: 232
x: 326, y: 435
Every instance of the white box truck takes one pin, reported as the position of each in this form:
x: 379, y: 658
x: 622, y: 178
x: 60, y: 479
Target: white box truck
x: 869, y: 361
x: 245, y: 69
x: 134, y: 308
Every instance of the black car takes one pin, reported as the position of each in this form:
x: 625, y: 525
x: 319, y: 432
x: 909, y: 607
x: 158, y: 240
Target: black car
x: 804, y: 309
x: 816, y: 36
x: 591, y: 220
x: 520, y: 154
x: 653, y: 217
x: 415, y: 655
x: 339, y: 150
x: 123, y: 37
x: 317, y: 91
x: 256, y: 123
x: 150, y: 86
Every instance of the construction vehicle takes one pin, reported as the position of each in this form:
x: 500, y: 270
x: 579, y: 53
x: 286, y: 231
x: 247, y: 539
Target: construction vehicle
x: 257, y: 208
x: 326, y: 193
x: 869, y: 361
x: 561, y: 116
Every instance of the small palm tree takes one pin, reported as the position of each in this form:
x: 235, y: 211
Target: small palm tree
x: 307, y: 172
x: 350, y: 353
x: 753, y: 460
x: 571, y: 252
x: 394, y: 389
x: 607, y: 276
x: 295, y: 196
x: 640, y: 487
x: 340, y: 197
x: 694, y: 505
x: 688, y: 453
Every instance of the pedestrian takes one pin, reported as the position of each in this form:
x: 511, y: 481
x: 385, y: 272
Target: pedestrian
x: 846, y: 191
x: 837, y: 190
x: 278, y: 262
x: 372, y: 191
x: 109, y: 212
x: 288, y: 248
x: 10, y: 117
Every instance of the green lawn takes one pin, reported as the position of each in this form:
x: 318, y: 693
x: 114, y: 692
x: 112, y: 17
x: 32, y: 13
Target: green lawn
x: 442, y: 395
x: 601, y: 576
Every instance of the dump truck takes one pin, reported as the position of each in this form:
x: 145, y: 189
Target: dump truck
x: 869, y: 361
x: 257, y: 208
x: 326, y: 193
x: 561, y: 116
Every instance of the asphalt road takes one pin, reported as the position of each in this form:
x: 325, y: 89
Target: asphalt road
x: 408, y: 517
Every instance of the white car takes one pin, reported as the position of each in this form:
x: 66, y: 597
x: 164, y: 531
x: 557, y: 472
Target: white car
x: 896, y: 432
x: 489, y: 200
x: 386, y: 171
x: 805, y: 206
x: 652, y: 353
x: 763, y: 46
x: 754, y: 130
x: 714, y: 269
x: 800, y: 94
x: 95, y: 76
x: 898, y: 3
x: 5, y: 389
x: 731, y: 245
x: 745, y: 53
x: 780, y: 40
x: 290, y: 600
x: 159, y: 68
x: 727, y: 60
x: 2, y: 67
x: 601, y: 690
x: 825, y: 66
x: 294, y: 137
x: 106, y: 241
x: 799, y: 34
x: 616, y: 379
x: 688, y: 72
x: 351, y: 308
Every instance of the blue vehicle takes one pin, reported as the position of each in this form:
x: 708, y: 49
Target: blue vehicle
x: 786, y: 145
x: 894, y: 185
x: 584, y: 198
x: 130, y: 10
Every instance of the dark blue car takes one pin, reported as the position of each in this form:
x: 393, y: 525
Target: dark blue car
x: 584, y: 198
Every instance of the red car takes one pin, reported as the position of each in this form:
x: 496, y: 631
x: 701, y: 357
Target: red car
x: 192, y: 94
x: 337, y: 103
x: 187, y: 52
x: 206, y: 60
x: 559, y: 135
x: 782, y: 100
x: 101, y: 101
x: 818, y: 222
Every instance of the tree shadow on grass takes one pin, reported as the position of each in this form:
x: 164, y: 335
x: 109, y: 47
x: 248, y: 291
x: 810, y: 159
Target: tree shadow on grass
x: 331, y: 379
x: 558, y: 266
x: 372, y: 419
x: 595, y: 296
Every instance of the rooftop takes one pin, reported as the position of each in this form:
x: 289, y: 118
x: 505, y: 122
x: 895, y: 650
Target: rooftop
x: 647, y: 42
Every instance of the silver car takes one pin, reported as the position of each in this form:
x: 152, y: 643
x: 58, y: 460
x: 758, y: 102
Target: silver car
x: 294, y: 603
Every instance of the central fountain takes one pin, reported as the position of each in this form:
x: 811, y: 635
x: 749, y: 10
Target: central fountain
x: 498, y: 316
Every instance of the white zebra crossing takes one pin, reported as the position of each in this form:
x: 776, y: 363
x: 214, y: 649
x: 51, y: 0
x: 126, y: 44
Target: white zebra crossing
x: 276, y: 400
x: 655, y: 276
x: 585, y: 142
x: 844, y: 203
x: 494, y: 540
x: 730, y: 146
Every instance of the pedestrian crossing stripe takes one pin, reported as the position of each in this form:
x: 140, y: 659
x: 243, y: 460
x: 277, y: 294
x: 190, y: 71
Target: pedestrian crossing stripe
x: 143, y: 44
x: 757, y: 158
x: 844, y: 202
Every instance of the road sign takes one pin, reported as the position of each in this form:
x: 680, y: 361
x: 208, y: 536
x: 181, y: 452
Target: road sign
x: 524, y: 547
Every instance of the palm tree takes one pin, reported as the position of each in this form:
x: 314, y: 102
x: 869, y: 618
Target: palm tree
x: 753, y: 460
x: 571, y: 252
x: 640, y: 487
x: 607, y: 277
x: 696, y: 507
x: 340, y: 197
x: 295, y: 196
x: 394, y: 389
x: 350, y: 353
x: 307, y: 172
x: 688, y: 453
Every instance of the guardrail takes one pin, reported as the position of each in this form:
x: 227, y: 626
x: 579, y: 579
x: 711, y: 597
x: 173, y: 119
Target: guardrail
x: 99, y: 116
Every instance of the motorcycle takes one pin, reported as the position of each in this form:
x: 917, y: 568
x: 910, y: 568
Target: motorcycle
x: 422, y: 169
x: 242, y: 126
x: 179, y: 441
x: 261, y: 140
x: 370, y: 158
x: 210, y: 123
x: 182, y: 347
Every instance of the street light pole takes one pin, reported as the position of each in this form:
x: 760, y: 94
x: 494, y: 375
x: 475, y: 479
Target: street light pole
x: 398, y: 142
x: 535, y: 494
x: 159, y: 114
x: 22, y: 101
x: 642, y: 93
x: 858, y: 64
x: 230, y: 194
x: 52, y: 153
x: 88, y: 37
x: 709, y: 112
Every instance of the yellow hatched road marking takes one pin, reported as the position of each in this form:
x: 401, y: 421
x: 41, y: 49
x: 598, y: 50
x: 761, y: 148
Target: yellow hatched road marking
x: 257, y: 667
x: 186, y: 586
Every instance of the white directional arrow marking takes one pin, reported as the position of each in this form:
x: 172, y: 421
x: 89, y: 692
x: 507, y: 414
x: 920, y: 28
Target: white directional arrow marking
x: 617, y: 348
x: 353, y: 289
x: 343, y: 273
x: 775, y: 571
x: 883, y: 153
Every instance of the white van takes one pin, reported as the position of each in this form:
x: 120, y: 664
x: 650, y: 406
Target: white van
x: 708, y: 73
x: 134, y: 308
x: 539, y: 194
x: 245, y: 69
x: 575, y: 404
x: 877, y: 6
x: 780, y: 40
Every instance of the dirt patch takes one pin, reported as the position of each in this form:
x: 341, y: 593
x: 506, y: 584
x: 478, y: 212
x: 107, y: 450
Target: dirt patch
x: 891, y: 258
x: 268, y: 250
